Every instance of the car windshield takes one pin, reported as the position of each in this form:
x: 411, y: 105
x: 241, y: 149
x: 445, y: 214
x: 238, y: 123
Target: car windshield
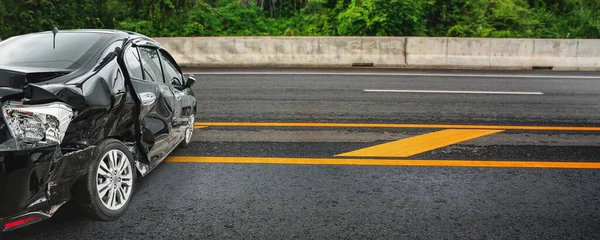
x: 36, y: 50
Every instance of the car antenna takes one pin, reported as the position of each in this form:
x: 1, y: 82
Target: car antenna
x: 54, y: 32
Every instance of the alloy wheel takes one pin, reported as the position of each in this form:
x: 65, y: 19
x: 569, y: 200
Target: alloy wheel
x: 114, y: 179
x: 190, y: 130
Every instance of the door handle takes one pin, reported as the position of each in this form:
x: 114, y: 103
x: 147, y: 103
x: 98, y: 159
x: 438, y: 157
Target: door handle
x: 147, y: 98
x: 163, y: 89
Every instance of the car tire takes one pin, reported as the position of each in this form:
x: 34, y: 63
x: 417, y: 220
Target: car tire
x: 105, y: 191
x: 189, y: 131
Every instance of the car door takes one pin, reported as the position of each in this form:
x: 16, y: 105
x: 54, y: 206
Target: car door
x: 174, y: 79
x: 156, y: 110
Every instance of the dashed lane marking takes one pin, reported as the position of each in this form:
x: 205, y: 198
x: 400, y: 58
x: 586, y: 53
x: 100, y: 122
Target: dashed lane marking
x: 451, y: 92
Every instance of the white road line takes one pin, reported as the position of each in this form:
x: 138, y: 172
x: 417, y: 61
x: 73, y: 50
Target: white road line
x: 398, y: 74
x: 456, y: 92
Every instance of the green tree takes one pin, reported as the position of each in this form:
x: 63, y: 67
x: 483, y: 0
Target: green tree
x: 464, y: 18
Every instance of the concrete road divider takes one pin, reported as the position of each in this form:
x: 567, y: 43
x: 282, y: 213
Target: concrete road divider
x: 426, y: 52
x: 511, y: 53
x: 287, y: 51
x: 468, y: 52
x: 416, y: 52
x: 588, y: 54
x: 561, y: 54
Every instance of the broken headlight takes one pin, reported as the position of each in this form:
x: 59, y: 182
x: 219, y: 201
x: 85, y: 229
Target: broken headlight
x: 44, y: 123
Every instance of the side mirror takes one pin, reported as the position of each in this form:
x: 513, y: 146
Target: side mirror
x: 190, y: 81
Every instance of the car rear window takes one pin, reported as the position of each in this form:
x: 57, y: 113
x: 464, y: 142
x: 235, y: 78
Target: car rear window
x: 36, y: 50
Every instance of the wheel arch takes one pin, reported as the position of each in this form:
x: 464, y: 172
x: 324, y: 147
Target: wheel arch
x: 140, y: 160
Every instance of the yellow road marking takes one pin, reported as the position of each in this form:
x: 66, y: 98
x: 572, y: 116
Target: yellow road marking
x: 379, y: 162
x: 419, y: 144
x: 199, y: 126
x: 385, y: 125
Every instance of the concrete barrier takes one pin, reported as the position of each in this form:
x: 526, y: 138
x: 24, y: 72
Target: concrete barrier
x: 560, y: 54
x: 511, y: 53
x: 287, y: 51
x: 470, y: 53
x: 415, y: 52
x: 465, y: 52
x: 426, y: 52
x: 588, y: 54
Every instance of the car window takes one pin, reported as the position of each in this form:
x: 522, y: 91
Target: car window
x: 151, y: 65
x: 68, y: 50
x: 171, y: 74
x: 132, y: 59
x: 110, y: 53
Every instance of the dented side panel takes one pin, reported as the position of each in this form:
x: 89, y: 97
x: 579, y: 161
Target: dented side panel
x: 108, y: 113
x: 66, y: 172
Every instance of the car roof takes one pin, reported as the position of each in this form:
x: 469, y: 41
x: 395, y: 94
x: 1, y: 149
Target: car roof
x: 99, y: 31
x: 136, y: 37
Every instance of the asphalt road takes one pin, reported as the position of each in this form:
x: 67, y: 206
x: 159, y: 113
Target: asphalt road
x: 336, y: 198
x: 320, y: 96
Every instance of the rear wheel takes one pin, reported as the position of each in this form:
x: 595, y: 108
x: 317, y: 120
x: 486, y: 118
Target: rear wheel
x: 106, y: 190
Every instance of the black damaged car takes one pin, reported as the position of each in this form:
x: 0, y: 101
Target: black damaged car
x: 84, y: 113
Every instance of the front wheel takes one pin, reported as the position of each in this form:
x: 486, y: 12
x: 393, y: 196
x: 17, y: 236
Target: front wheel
x: 189, y: 131
x: 105, y: 192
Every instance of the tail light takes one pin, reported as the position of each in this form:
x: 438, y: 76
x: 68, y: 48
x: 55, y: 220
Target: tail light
x: 21, y: 222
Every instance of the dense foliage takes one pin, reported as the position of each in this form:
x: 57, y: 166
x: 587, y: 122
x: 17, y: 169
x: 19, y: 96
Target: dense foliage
x: 465, y: 18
